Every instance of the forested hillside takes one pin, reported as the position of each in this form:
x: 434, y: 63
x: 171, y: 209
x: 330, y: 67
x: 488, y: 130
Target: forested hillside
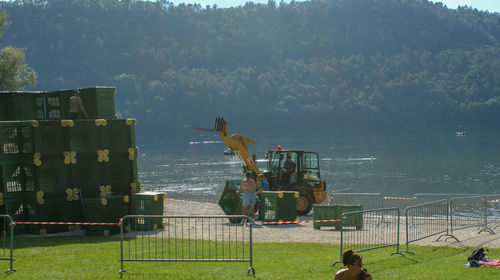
x: 322, y: 66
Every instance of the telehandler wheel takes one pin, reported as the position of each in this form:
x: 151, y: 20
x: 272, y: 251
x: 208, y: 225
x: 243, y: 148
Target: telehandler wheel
x: 304, y: 203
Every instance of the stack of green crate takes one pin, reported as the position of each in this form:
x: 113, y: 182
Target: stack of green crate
x: 104, y: 149
x: 18, y: 105
x: 64, y: 162
x: 148, y: 203
x: 231, y: 203
x: 16, y: 171
x: 99, y: 103
x: 334, y: 212
x: 280, y: 206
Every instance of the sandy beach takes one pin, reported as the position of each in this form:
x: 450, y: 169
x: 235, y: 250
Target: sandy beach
x: 304, y: 232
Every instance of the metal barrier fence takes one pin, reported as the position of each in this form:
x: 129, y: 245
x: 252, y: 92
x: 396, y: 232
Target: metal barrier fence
x: 426, y: 220
x: 7, y: 250
x: 377, y: 200
x: 376, y: 228
x: 346, y: 190
x: 368, y: 200
x: 156, y: 238
x: 471, y: 211
x: 428, y: 197
x: 494, y: 210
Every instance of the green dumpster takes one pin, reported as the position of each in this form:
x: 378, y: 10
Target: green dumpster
x: 279, y: 206
x: 333, y: 212
x: 148, y: 203
x: 231, y: 203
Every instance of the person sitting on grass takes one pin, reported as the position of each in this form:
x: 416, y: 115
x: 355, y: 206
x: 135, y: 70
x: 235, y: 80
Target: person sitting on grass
x: 354, y: 270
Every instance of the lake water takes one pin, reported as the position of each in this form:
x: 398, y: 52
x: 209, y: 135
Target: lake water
x: 394, y: 165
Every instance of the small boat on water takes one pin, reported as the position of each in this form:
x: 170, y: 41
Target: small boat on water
x: 460, y: 131
x: 229, y: 151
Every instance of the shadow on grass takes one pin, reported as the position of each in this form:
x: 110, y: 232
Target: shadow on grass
x: 144, y: 276
x: 21, y: 242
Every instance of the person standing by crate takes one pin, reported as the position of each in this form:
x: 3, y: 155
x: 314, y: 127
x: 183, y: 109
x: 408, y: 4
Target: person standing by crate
x: 264, y: 187
x: 249, y: 187
x: 76, y: 106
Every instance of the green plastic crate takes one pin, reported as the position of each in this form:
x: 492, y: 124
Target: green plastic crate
x: 231, y: 203
x: 18, y: 105
x: 85, y: 137
x: 279, y: 206
x: 51, y: 137
x: 108, y: 209
x: 56, y: 105
x: 333, y: 212
x: 120, y: 174
x: 55, y: 207
x: 5, y: 108
x: 17, y: 186
x: 15, y: 138
x: 19, y: 209
x: 16, y: 176
x: 88, y: 175
x: 53, y: 175
x: 119, y: 135
x: 147, y: 203
x: 23, y: 106
x: 99, y: 102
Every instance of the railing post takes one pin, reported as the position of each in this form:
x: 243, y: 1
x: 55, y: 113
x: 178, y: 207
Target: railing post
x: 12, y: 225
x: 251, y: 269
x: 341, y: 240
x: 451, y: 221
x: 407, y: 230
x: 398, y: 233
x: 121, y: 246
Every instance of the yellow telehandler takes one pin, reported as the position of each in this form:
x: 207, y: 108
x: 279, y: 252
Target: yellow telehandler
x: 305, y: 179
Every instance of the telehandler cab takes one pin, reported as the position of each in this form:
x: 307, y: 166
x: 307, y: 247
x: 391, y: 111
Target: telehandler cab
x: 305, y: 178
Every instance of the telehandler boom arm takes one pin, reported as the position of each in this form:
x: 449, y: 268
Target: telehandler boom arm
x: 238, y: 143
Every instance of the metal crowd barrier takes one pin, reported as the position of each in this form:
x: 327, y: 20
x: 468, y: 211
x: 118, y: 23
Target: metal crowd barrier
x: 378, y: 228
x: 156, y: 238
x: 438, y: 196
x: 471, y: 211
x: 346, y: 190
x: 368, y: 200
x: 7, y: 249
x: 426, y: 220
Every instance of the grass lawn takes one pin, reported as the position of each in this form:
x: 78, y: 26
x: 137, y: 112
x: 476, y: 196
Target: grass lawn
x: 98, y: 258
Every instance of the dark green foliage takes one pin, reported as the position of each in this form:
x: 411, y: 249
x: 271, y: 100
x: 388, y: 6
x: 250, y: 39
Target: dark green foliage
x: 336, y: 64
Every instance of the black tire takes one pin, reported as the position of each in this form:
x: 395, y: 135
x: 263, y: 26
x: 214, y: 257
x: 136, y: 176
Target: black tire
x: 304, y: 203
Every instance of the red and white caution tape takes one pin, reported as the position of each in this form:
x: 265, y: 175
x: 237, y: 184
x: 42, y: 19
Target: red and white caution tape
x: 495, y: 200
x: 297, y: 222
x: 400, y: 198
x: 66, y: 223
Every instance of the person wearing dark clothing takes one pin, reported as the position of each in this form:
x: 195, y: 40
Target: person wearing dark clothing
x: 289, y: 168
x: 354, y: 270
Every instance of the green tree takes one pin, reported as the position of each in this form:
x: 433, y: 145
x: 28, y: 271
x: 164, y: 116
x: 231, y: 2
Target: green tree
x: 15, y: 74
